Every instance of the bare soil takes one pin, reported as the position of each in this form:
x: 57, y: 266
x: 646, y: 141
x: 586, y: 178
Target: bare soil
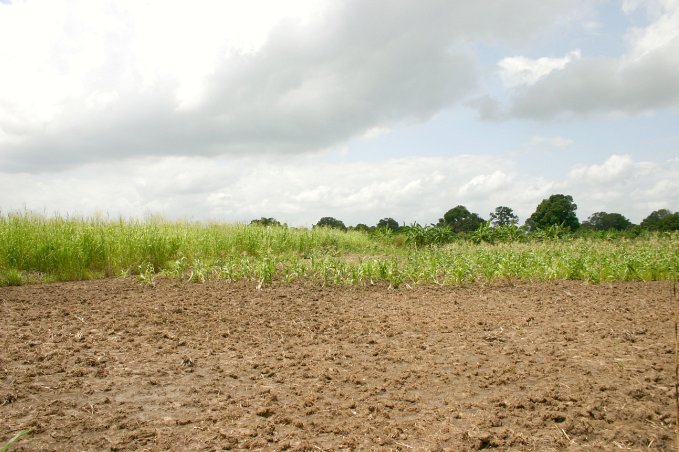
x: 113, y: 365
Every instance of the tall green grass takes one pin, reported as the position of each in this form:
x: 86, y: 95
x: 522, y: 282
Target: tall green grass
x: 36, y: 248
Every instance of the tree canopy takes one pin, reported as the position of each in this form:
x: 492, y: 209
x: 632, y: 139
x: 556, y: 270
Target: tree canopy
x: 388, y: 223
x: 330, y: 222
x: 460, y: 219
x: 661, y: 220
x: 503, y: 216
x: 602, y: 221
x: 556, y: 210
x: 266, y: 222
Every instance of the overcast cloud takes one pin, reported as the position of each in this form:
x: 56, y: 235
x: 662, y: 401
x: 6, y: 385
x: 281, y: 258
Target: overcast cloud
x: 84, y: 91
x: 226, y: 110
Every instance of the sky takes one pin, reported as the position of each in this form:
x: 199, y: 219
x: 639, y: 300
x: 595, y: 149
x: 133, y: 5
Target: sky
x: 228, y: 111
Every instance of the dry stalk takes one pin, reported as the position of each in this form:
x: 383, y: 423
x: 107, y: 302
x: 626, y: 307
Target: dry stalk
x: 566, y: 435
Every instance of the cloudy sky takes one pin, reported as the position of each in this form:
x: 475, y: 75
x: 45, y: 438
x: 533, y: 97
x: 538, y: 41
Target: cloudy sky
x: 299, y: 109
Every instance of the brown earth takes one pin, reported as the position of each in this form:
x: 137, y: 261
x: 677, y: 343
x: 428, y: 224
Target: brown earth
x: 112, y: 365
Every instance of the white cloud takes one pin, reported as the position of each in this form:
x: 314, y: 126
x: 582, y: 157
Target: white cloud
x: 660, y: 33
x: 658, y: 193
x: 519, y: 71
x: 300, y: 190
x: 643, y: 79
x: 623, y: 185
x: 615, y: 168
x: 483, y: 185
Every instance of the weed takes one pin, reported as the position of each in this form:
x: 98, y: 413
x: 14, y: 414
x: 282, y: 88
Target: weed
x: 11, y: 277
x: 146, y: 275
x: 199, y: 272
x: 14, y: 439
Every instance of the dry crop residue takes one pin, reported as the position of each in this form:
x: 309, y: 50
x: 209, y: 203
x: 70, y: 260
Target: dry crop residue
x: 536, y: 366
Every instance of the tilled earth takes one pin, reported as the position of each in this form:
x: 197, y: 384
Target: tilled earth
x: 113, y: 365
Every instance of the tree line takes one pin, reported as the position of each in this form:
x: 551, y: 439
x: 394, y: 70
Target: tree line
x: 557, y: 210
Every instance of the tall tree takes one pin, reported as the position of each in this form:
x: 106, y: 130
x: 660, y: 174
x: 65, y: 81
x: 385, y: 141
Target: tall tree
x: 460, y: 219
x: 503, y: 216
x: 556, y: 210
x: 602, y: 221
x: 661, y: 220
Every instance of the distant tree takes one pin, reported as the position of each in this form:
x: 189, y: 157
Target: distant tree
x: 556, y: 210
x: 362, y: 227
x: 460, y: 219
x: 661, y: 220
x: 602, y: 221
x: 503, y: 216
x: 330, y: 222
x: 388, y: 223
x: 266, y: 222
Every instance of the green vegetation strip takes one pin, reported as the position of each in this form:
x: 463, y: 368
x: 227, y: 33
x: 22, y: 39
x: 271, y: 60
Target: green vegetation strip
x: 36, y: 249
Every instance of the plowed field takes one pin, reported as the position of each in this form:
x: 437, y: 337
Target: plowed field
x: 113, y: 365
